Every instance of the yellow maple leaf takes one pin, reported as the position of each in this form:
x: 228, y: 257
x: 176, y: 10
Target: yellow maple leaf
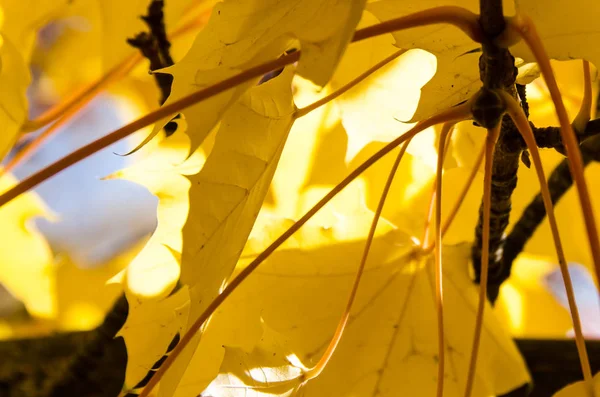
x: 26, y: 262
x: 457, y: 74
x: 300, y: 293
x: 246, y: 33
x: 560, y: 30
x: 85, y: 295
x: 223, y: 203
x: 150, y: 328
x: 14, y: 79
x: 21, y: 19
x: 155, y: 270
x: 204, y: 220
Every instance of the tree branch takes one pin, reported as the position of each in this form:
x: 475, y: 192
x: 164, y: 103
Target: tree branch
x: 559, y: 183
x: 491, y: 17
x: 497, y: 71
x: 155, y: 46
x: 86, y: 373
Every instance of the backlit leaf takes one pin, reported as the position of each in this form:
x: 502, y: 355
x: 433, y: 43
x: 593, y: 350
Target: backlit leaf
x: 241, y: 34
x: 155, y: 270
x: 300, y: 293
x: 26, y: 262
x: 559, y: 30
x: 14, y: 79
x: 150, y: 328
x: 226, y: 195
x: 374, y: 109
x: 457, y: 74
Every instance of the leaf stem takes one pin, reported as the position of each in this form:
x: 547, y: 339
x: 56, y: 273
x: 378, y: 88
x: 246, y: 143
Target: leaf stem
x: 522, y: 124
x: 425, y: 236
x: 456, y: 113
x: 307, y: 109
x: 439, y: 292
x: 84, y: 95
x: 525, y: 28
x: 462, y: 18
x: 464, y: 191
x: 459, y: 200
x: 320, y: 366
x: 490, y: 143
x: 585, y: 111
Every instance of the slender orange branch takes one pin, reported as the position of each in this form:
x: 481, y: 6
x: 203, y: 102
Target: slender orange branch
x: 452, y: 114
x: 516, y: 113
x: 585, y: 111
x: 320, y: 366
x: 32, y: 146
x: 490, y: 143
x: 429, y: 217
x: 305, y: 110
x: 462, y: 18
x: 458, y: 203
x: 425, y: 238
x: 524, y: 26
x: 84, y: 95
x: 439, y: 293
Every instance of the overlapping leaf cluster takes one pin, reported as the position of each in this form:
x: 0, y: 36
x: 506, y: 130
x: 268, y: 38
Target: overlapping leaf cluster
x: 244, y: 157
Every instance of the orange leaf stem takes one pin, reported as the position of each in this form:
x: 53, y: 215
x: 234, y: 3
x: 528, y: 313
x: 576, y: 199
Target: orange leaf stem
x: 464, y: 191
x: 461, y: 197
x: 307, y: 109
x: 439, y: 292
x: 516, y: 113
x: 425, y: 238
x: 526, y: 29
x: 84, y: 95
x: 320, y: 366
x: 490, y: 143
x: 462, y: 18
x: 585, y: 111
